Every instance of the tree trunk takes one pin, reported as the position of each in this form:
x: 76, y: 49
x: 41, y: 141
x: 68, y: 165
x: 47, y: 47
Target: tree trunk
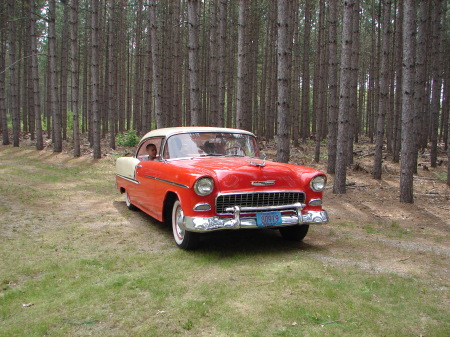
x: 320, y: 82
x: 333, y: 87
x: 13, y: 86
x: 354, y: 80
x: 122, y: 44
x: 271, y: 90
x: 95, y: 80
x: 138, y: 86
x: 177, y: 68
x: 344, y: 101
x: 283, y: 74
x: 63, y: 76
x: 53, y: 82
x: 409, y: 149
x: 166, y: 63
x: 398, y: 87
x: 148, y: 90
x: 213, y: 111
x: 229, y: 74
x: 3, y: 110
x: 157, y: 88
x: 27, y: 83
x: 242, y: 72
x: 194, y: 86
x: 35, y: 78
x: 253, y: 37
x: 446, y: 101
x: 384, y: 89
x: 222, y: 43
x: 437, y: 75
x: 74, y: 75
x: 112, y: 78
x: 296, y: 75
x: 305, y: 120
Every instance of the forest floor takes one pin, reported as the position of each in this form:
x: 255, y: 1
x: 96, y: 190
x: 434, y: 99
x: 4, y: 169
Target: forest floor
x: 408, y: 237
x: 369, y: 231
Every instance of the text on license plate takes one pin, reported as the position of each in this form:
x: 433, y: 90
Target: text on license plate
x: 268, y: 219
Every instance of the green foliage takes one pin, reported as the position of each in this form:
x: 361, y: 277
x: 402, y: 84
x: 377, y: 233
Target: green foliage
x: 441, y: 176
x: 128, y: 138
x: 188, y: 325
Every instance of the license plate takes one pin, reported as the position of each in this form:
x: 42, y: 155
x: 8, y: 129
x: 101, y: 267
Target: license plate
x: 267, y: 219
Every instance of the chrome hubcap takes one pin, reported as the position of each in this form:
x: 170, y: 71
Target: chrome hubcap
x: 180, y: 230
x: 179, y: 223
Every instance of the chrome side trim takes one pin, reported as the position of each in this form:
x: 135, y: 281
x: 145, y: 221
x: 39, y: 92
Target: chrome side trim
x: 166, y: 181
x: 134, y: 181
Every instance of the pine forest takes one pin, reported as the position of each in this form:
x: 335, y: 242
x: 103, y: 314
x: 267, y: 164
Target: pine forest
x: 290, y: 71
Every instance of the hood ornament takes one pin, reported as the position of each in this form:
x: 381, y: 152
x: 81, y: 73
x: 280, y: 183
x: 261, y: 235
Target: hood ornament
x: 261, y: 164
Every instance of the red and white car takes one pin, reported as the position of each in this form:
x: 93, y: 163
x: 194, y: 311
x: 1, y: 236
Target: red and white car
x: 206, y: 179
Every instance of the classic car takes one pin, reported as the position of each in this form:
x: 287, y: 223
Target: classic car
x: 204, y: 179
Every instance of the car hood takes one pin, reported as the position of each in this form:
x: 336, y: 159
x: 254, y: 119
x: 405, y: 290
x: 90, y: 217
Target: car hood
x: 240, y: 174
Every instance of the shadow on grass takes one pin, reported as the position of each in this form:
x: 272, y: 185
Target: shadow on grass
x: 226, y: 243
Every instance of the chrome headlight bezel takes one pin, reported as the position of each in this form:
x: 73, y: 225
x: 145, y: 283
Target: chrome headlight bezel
x: 204, y: 186
x: 318, y: 183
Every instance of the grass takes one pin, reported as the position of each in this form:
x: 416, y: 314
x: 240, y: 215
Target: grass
x: 441, y: 176
x: 74, y: 261
x: 393, y: 230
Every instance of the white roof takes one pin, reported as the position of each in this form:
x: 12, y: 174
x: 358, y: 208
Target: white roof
x: 165, y: 132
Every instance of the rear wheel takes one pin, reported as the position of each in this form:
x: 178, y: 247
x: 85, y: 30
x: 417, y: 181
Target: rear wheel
x: 128, y: 202
x: 183, y: 238
x: 294, y: 233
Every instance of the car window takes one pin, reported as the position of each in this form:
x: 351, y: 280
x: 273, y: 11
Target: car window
x: 199, y: 144
x: 141, y: 152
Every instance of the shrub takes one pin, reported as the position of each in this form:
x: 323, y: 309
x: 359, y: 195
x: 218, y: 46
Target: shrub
x: 127, y: 138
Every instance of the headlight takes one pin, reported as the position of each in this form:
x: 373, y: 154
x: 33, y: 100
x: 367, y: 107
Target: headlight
x: 204, y: 186
x: 318, y: 183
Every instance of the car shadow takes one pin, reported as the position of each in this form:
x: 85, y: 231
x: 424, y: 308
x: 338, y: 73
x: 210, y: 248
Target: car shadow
x: 142, y: 218
x: 251, y: 241
x: 225, y: 243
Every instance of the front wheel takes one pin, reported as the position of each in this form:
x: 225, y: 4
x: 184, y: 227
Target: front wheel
x: 183, y: 238
x: 294, y: 233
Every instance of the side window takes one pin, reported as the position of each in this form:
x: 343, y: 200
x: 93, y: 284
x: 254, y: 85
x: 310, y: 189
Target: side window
x: 142, y: 153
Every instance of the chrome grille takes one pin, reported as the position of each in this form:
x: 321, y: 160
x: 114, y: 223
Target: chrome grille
x: 264, y: 199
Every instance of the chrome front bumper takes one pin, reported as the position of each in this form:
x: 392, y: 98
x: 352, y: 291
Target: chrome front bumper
x: 201, y: 224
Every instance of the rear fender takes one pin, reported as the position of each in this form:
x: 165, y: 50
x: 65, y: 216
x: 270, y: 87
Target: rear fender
x: 126, y: 167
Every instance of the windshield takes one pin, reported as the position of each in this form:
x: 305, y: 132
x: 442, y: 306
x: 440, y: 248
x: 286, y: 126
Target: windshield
x: 202, y: 144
